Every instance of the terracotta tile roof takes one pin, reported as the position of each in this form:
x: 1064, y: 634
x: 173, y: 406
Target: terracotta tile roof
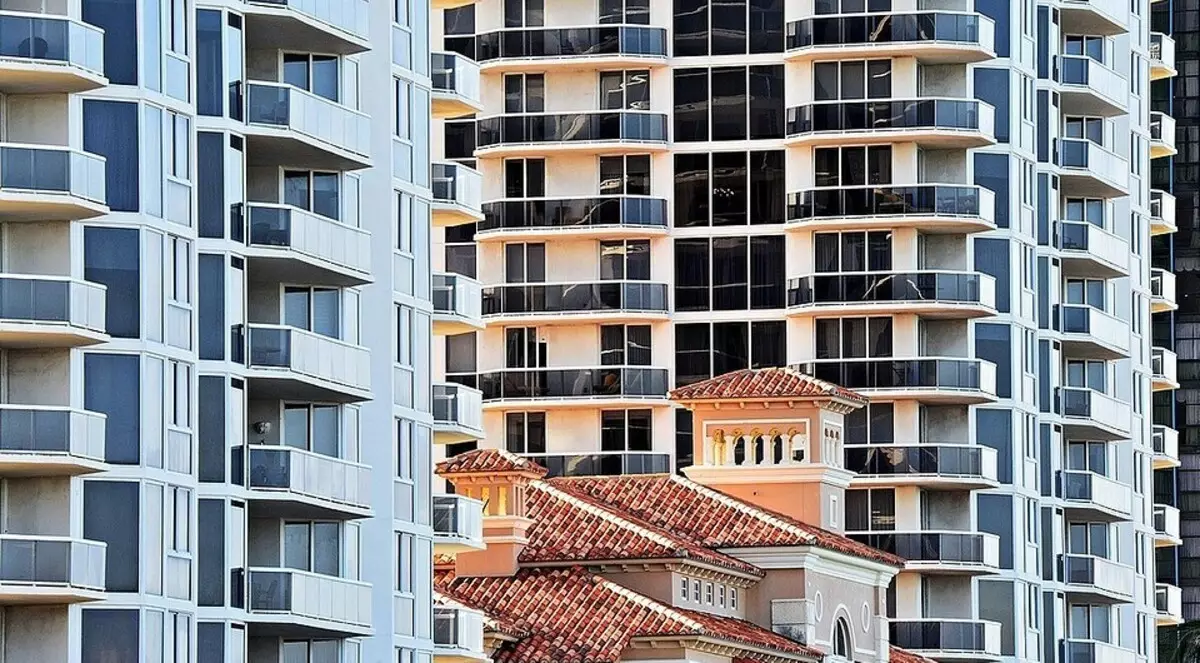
x: 488, y: 460
x: 572, y: 527
x: 899, y: 655
x: 708, y: 517
x: 574, y: 616
x: 781, y: 382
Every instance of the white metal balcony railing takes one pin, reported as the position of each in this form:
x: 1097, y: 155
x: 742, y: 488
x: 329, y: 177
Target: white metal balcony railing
x: 310, y: 355
x: 1162, y: 52
x: 1099, y: 573
x: 456, y: 76
x: 1166, y: 522
x: 459, y: 630
x: 458, y: 296
x: 310, y: 595
x: 1083, y: 487
x: 458, y: 406
x: 57, y: 40
x: 42, y: 561
x: 1162, y: 135
x: 286, y: 469
x: 1081, y: 71
x: 350, y: 16
x: 457, y: 185
x: 1082, y: 240
x: 47, y: 430
x: 1162, y: 208
x: 1083, y: 158
x: 1164, y: 365
x: 1095, y: 651
x: 1165, y: 441
x: 1094, y: 324
x: 458, y: 519
x: 279, y: 105
x: 52, y: 301
x: 51, y: 169
x: 311, y: 235
x: 1162, y: 286
x: 926, y: 548
x: 949, y: 636
x: 1111, y: 11
x: 1084, y: 406
x: 1168, y: 600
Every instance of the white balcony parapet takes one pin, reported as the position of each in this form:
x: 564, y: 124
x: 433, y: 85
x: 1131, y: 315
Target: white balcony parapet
x: 311, y: 356
x: 1096, y: 651
x: 456, y: 89
x: 930, y: 549
x: 1086, y: 407
x: 40, y: 568
x: 458, y: 633
x: 457, y: 194
x: 36, y: 309
x: 457, y: 304
x: 291, y: 471
x: 312, y: 236
x: 47, y: 436
x: 1165, y: 441
x: 1162, y: 212
x: 1088, y: 488
x: 946, y: 636
x: 1162, y: 290
x: 457, y: 523
x: 1088, y: 324
x: 1162, y: 56
x: 1083, y: 74
x: 1164, y: 369
x: 1168, y: 600
x: 457, y: 413
x: 1099, y: 574
x: 349, y: 16
x: 1162, y: 135
x: 1166, y: 525
x: 279, y: 105
x: 321, y: 601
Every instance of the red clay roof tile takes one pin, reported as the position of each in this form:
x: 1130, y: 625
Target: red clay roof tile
x: 782, y: 382
x: 899, y: 655
x: 488, y: 460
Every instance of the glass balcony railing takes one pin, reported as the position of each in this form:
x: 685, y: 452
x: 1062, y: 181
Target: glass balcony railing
x: 458, y: 405
x: 285, y: 106
x: 53, y: 301
x: 51, y: 561
x: 458, y: 296
x: 310, y: 235
x: 585, y: 127
x: 308, y: 474
x: 568, y: 298
x: 51, y: 39
x: 952, y: 374
x: 458, y: 518
x: 457, y: 185
x: 603, y: 463
x: 574, y: 214
x: 891, y: 115
x: 1098, y: 78
x: 1093, y: 161
x: 1095, y: 651
x: 309, y: 355
x: 1083, y: 239
x: 946, y: 635
x: 1096, y: 572
x: 350, y: 16
x: 900, y: 29
x: 922, y: 200
x: 53, y: 170
x: 453, y: 74
x: 1091, y: 405
x: 605, y: 41
x: 458, y: 629
x: 950, y: 548
x: 601, y: 382
x: 954, y: 461
x: 46, y: 430
x: 926, y: 287
x: 1093, y: 325
x: 1090, y: 488
x: 338, y: 603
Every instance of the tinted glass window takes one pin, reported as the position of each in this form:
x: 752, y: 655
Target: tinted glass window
x: 210, y: 642
x: 691, y: 190
x: 766, y: 102
x: 998, y: 11
x: 210, y: 71
x: 691, y: 274
x: 111, y: 258
x: 690, y: 28
x: 210, y: 428
x: 768, y: 343
x: 766, y: 26
x: 110, y: 129
x: 110, y: 515
x: 729, y: 177
x: 692, y: 348
x: 691, y: 105
x: 991, y: 171
x: 767, y: 272
x: 112, y: 386
x: 991, y: 85
x: 210, y: 184
x: 210, y: 556
x: 729, y: 267
x: 994, y: 343
x: 731, y: 347
x: 768, y: 187
x: 118, y: 18
x: 729, y: 103
x: 213, y: 332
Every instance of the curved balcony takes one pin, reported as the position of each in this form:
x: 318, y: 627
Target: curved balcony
x: 1090, y: 87
x: 1162, y: 212
x: 48, y: 440
x: 1087, y: 250
x: 457, y: 414
x: 1089, y: 414
x: 1162, y: 291
x: 286, y: 482
x: 1164, y: 369
x: 47, y: 54
x: 591, y: 387
x: 938, y: 466
x: 457, y: 302
x: 588, y: 47
x: 1166, y: 526
x: 38, y: 569
x: 458, y: 635
x: 287, y: 126
x: 573, y: 303
x: 50, y: 183
x: 294, y: 364
x: 457, y: 524
x: 1095, y: 651
x: 934, y: 37
x: 1162, y: 135
x: 1090, y: 169
x: 455, y: 86
x: 1168, y: 603
x: 931, y: 123
x: 1165, y: 442
x: 1094, y: 17
x: 1091, y: 333
x: 302, y: 604
x: 948, y: 639
x: 1096, y: 579
x: 457, y: 195
x: 603, y: 463
x: 51, y: 312
x: 947, y: 552
x: 932, y: 294
x: 586, y: 132
x: 948, y: 380
x: 314, y: 26
x: 930, y: 208
x: 298, y: 246
x: 1162, y: 56
x: 597, y: 217
x: 1094, y: 496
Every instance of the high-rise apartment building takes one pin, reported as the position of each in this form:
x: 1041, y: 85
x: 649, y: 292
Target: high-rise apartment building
x: 216, y: 323
x: 948, y: 208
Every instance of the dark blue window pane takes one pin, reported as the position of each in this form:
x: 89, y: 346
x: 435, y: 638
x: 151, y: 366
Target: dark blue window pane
x: 210, y: 428
x: 991, y: 257
x: 111, y: 386
x: 999, y: 521
x: 110, y: 257
x: 213, y: 332
x: 991, y: 85
x: 110, y: 129
x: 998, y: 11
x: 994, y: 343
x: 210, y: 184
x: 110, y: 515
x: 119, y: 20
x: 991, y: 171
x: 210, y: 562
x: 210, y: 70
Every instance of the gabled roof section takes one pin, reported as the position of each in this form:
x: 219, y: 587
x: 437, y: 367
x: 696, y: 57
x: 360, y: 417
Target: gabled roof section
x: 764, y: 383
x: 479, y: 461
x: 709, y: 517
x: 572, y: 527
x: 898, y: 655
x: 574, y: 616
